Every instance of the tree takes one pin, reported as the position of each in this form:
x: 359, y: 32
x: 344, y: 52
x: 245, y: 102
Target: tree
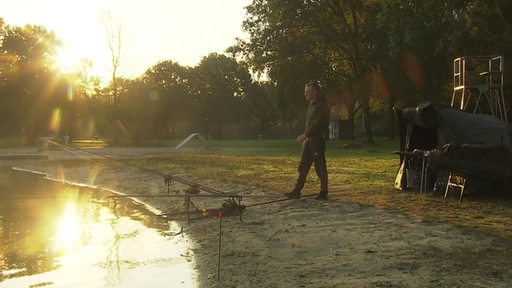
x: 415, y: 54
x: 219, y: 86
x: 82, y: 88
x: 390, y: 51
x: 279, y: 47
x: 114, y: 34
x: 168, y: 89
x: 328, y: 37
x: 31, y: 93
x: 488, y: 31
x: 263, y: 111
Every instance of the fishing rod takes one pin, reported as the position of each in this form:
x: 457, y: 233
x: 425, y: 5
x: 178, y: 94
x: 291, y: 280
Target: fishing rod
x: 234, y: 199
x: 168, y: 178
x: 150, y: 196
x: 278, y: 200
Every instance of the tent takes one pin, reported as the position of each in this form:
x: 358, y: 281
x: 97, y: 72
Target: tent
x: 443, y: 139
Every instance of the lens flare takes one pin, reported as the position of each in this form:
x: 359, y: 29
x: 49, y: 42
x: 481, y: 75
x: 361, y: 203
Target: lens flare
x: 413, y: 68
x: 91, y: 127
x: 123, y: 128
x: 55, y: 120
x: 70, y: 93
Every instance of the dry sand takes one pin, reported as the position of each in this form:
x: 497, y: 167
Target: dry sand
x: 308, y: 243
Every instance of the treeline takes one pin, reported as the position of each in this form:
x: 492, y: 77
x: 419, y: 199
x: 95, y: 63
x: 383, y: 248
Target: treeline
x: 168, y: 101
x: 369, y: 56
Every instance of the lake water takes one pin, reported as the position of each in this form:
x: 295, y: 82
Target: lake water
x: 56, y: 235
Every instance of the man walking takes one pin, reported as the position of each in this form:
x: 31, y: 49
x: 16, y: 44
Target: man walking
x: 313, y: 142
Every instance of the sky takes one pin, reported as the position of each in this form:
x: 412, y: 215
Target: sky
x: 183, y: 31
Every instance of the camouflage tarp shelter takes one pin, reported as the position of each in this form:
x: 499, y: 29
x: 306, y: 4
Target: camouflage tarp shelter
x: 449, y: 139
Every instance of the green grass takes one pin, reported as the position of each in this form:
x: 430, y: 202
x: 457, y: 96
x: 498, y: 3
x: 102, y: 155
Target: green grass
x: 362, y: 174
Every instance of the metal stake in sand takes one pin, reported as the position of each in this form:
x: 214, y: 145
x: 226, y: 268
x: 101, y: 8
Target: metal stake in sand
x: 168, y: 182
x: 187, y: 200
x: 220, y: 243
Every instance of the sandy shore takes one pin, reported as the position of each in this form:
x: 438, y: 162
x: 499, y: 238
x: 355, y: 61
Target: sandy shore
x: 306, y: 243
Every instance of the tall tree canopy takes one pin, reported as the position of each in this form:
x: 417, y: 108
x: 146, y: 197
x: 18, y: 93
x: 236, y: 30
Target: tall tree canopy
x: 169, y: 94
x: 293, y: 41
x: 32, y: 95
x: 219, y: 86
x: 400, y: 52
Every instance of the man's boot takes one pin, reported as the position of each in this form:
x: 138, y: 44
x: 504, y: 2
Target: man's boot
x: 295, y: 193
x: 323, y: 186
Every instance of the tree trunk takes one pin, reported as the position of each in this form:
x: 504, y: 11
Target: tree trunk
x: 391, y: 117
x: 350, y: 128
x: 367, y: 124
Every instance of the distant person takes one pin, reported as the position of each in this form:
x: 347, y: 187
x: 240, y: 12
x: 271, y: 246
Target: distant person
x: 66, y: 140
x: 313, y: 142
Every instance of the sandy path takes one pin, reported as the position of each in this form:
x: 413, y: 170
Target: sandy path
x: 306, y: 243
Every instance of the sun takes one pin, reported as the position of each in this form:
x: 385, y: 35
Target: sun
x: 66, y: 60
x: 69, y: 60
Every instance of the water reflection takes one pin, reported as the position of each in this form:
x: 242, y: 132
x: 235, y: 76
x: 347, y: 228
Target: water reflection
x: 68, y: 227
x: 62, y: 236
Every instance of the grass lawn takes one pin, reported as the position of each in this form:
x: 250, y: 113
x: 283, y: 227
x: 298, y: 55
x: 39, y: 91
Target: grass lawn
x: 361, y: 174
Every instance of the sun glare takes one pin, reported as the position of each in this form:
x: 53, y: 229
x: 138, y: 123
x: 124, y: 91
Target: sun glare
x: 66, y: 61
x: 68, y: 228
